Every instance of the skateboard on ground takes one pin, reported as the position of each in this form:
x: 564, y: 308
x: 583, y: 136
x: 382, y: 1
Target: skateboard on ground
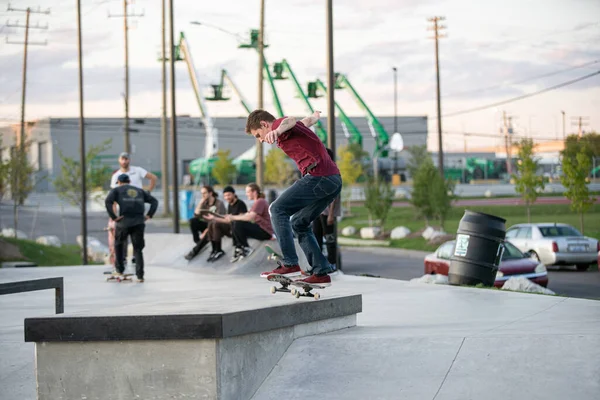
x: 122, y: 278
x: 273, y: 255
x: 284, y: 281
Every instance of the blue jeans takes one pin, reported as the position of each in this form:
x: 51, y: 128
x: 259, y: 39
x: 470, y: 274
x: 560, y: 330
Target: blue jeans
x: 304, y: 201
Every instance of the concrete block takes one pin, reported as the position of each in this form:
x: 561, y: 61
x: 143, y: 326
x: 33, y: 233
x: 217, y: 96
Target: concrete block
x: 370, y: 232
x: 427, y: 233
x: 49, y: 240
x: 349, y: 231
x: 97, y: 251
x: 399, y: 232
x: 10, y: 232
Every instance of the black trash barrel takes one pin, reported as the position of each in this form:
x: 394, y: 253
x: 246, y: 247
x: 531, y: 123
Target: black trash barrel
x: 478, y: 250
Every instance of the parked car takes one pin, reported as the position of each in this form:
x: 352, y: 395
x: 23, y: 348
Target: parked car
x: 513, y: 264
x: 555, y: 244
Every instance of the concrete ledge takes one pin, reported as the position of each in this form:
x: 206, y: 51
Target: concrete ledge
x: 186, y: 326
x: 212, y: 356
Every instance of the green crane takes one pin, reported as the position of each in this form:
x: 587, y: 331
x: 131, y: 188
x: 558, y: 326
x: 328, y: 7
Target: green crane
x: 218, y: 91
x: 279, y: 69
x: 254, y: 45
x: 350, y: 130
x: 377, y: 130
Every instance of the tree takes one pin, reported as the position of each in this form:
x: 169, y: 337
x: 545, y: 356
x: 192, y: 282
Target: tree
x: 420, y: 197
x: 432, y: 194
x: 17, y: 173
x: 68, y: 182
x: 379, y: 196
x: 357, y: 151
x: 527, y: 181
x: 350, y: 169
x: 441, y: 196
x: 418, y: 155
x: 278, y: 170
x: 224, y: 170
x: 576, y: 165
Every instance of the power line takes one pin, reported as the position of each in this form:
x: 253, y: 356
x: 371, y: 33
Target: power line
x: 522, y: 96
x: 523, y: 80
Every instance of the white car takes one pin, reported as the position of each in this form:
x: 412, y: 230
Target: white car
x: 554, y: 244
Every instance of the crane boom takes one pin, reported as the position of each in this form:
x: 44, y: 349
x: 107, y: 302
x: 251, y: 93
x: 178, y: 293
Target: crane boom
x: 212, y: 134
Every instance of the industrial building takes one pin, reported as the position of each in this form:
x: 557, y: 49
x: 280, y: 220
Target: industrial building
x: 50, y: 135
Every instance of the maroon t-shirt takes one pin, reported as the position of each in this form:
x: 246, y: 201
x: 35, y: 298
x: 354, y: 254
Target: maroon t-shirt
x: 263, y: 219
x: 305, y: 148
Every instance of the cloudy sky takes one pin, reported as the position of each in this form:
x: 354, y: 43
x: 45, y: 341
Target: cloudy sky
x: 493, y: 52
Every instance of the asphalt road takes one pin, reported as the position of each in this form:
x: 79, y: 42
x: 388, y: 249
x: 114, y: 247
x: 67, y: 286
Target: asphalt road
x: 392, y: 264
x: 385, y: 263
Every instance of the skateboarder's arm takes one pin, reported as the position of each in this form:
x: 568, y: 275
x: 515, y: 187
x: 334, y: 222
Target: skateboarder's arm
x: 311, y: 119
x: 148, y: 198
x: 249, y: 216
x: 109, y: 204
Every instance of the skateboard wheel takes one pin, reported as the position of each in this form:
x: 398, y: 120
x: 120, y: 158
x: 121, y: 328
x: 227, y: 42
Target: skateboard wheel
x: 297, y: 294
x: 294, y: 291
x: 273, y: 289
x: 317, y: 296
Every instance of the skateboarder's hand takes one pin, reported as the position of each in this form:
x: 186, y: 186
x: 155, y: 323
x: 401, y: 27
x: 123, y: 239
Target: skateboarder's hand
x: 147, y: 217
x: 271, y: 137
x: 317, y: 114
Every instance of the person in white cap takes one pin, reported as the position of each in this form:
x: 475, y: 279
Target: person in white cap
x: 136, y: 177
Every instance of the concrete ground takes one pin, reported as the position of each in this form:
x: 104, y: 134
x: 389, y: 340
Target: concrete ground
x: 412, y: 341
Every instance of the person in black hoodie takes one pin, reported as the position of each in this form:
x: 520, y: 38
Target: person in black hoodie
x: 130, y: 222
x: 217, y: 228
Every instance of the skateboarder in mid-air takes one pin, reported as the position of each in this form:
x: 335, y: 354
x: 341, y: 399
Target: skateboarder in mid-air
x: 306, y: 199
x: 130, y: 222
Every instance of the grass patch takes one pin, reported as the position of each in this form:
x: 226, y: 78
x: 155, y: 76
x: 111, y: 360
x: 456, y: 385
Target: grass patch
x: 68, y: 254
x: 514, y: 214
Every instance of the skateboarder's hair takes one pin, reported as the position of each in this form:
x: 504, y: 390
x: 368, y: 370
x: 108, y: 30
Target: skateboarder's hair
x: 256, y: 117
x: 253, y: 186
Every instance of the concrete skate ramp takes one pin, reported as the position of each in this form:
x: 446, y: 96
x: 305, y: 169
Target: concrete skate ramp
x: 169, y: 249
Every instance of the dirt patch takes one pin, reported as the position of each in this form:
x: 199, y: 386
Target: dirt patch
x: 10, y: 252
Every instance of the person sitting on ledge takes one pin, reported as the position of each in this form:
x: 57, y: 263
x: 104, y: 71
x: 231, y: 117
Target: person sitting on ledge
x: 217, y: 227
x: 255, y: 224
x: 198, y: 225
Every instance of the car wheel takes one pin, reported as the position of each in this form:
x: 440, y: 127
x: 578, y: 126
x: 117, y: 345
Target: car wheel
x: 535, y: 256
x: 582, y: 267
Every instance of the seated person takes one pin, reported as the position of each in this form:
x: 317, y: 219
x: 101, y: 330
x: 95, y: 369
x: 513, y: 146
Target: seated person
x: 217, y: 228
x: 198, y: 224
x: 256, y: 223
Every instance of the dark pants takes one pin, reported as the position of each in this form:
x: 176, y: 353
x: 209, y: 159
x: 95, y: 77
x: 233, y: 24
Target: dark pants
x: 321, y: 229
x: 197, y: 226
x: 137, y: 240
x: 216, y: 230
x: 242, y: 230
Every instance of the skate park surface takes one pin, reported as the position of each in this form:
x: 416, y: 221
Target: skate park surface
x: 411, y: 341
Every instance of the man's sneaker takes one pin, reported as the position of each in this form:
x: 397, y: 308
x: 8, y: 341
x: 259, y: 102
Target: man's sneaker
x: 246, y: 251
x: 323, y: 280
x: 140, y: 280
x: 190, y: 255
x: 289, y: 271
x: 216, y: 255
x: 237, y: 254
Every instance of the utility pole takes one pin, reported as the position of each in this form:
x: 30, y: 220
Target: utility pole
x: 437, y: 28
x: 164, y: 148
x: 28, y: 11
x: 126, y: 96
x: 261, y: 61
x: 331, y: 111
x: 507, y: 125
x: 173, y: 123
x: 395, y: 99
x: 82, y: 139
x: 563, y: 122
x: 579, y: 122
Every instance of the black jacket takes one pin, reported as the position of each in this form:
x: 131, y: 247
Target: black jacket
x: 131, y: 201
